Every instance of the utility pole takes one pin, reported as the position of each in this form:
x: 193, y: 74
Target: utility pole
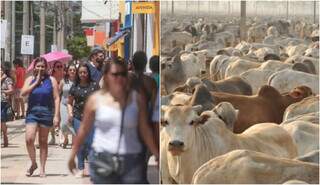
x: 8, y: 17
x: 314, y: 12
x: 71, y: 18
x: 42, y: 28
x: 172, y: 7
x: 31, y: 23
x: 198, y: 8
x: 25, y: 28
x: 243, y: 21
x: 61, y: 24
x: 13, y: 28
x: 287, y: 9
x: 54, y: 31
x: 186, y: 10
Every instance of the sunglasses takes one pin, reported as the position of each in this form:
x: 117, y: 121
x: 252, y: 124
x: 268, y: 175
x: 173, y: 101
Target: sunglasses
x: 58, y: 67
x: 122, y: 74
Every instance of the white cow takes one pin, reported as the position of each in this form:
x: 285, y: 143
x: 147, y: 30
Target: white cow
x: 239, y: 66
x: 176, y: 72
x: 287, y: 79
x: 256, y: 78
x: 218, y: 66
x: 312, y: 62
x: 176, y: 98
x: 274, y: 65
x: 250, y: 167
x: 189, y: 140
x: 312, y: 52
x: 296, y: 49
x: 305, y: 135
x: 307, y: 105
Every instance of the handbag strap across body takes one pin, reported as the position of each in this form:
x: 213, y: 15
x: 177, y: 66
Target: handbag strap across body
x: 122, y: 120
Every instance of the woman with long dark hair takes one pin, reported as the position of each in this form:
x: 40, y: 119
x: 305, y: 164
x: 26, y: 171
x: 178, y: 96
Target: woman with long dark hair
x: 58, y: 74
x: 6, y: 92
x: 42, y: 113
x: 65, y: 85
x: 78, y: 95
x: 118, y: 114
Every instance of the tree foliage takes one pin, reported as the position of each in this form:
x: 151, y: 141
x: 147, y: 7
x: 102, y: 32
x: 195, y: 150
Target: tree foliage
x: 77, y: 47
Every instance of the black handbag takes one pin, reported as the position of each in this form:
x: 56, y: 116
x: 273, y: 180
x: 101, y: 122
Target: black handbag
x: 10, y: 113
x: 106, y: 164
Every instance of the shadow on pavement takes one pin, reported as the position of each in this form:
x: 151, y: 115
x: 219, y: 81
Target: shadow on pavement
x: 17, y: 131
x: 10, y: 146
x: 18, y: 183
x: 12, y: 156
x: 52, y: 175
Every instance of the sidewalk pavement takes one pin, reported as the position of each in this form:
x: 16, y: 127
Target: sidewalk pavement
x: 15, y: 161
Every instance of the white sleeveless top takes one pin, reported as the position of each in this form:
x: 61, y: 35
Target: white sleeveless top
x: 107, y: 125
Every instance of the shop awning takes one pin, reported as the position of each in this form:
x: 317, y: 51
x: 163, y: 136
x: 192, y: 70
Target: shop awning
x: 117, y: 36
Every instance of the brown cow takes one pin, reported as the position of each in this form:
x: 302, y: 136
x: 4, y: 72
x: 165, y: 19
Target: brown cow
x: 267, y: 106
x: 232, y: 85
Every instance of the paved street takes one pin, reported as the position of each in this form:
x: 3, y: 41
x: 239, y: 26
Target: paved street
x: 15, y: 161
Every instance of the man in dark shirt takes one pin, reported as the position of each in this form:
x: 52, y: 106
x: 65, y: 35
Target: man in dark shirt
x: 96, y: 59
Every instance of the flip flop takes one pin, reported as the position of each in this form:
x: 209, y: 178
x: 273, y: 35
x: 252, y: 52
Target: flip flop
x: 42, y: 175
x: 31, y: 170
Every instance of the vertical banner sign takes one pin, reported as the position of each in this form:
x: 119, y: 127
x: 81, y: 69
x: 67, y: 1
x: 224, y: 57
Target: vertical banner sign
x: 27, y: 44
x: 3, y: 29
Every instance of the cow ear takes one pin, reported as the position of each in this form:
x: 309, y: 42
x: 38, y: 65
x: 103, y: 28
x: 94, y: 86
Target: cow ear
x: 295, y: 94
x: 164, y: 108
x: 197, y: 108
x: 236, y: 113
x: 202, y: 119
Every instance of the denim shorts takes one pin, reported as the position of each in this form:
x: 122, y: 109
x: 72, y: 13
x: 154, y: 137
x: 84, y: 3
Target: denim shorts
x: 131, y: 167
x: 4, y: 108
x: 41, y: 115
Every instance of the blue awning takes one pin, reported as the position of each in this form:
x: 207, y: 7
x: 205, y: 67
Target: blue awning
x: 117, y: 36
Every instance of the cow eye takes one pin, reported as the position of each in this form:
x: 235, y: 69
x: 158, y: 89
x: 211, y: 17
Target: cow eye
x: 164, y: 123
x: 191, y: 123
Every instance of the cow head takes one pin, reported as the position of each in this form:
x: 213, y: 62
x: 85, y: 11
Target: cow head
x: 202, y: 96
x: 300, y: 92
x: 179, y: 123
x: 227, y: 113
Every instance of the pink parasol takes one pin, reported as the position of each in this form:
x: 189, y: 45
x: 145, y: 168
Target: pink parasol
x: 52, y: 57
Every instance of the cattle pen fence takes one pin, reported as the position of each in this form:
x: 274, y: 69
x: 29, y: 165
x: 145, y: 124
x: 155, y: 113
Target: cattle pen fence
x: 282, y: 9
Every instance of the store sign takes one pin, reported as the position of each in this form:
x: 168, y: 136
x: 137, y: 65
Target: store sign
x: 143, y: 8
x: 128, y: 8
x: 27, y: 44
x: 54, y: 48
x: 3, y: 29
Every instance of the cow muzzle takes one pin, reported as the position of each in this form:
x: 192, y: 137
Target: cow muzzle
x: 176, y: 147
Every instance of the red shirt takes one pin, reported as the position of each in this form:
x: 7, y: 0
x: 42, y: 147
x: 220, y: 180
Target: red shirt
x: 20, y: 75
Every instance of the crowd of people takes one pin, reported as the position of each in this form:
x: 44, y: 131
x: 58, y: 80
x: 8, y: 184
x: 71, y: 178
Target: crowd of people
x: 110, y: 107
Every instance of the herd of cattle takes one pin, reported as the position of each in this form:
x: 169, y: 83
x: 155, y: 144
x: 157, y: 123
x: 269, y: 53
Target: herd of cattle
x: 239, y: 111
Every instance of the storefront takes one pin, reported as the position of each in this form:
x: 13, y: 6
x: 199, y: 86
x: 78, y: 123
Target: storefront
x: 139, y: 29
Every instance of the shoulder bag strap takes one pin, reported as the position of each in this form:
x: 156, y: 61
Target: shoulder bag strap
x: 122, y: 120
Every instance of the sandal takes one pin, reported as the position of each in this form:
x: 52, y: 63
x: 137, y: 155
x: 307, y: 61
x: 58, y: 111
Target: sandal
x: 62, y: 145
x: 31, y: 170
x: 42, y: 175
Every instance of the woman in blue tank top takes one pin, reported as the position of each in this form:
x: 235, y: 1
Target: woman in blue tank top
x: 42, y: 113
